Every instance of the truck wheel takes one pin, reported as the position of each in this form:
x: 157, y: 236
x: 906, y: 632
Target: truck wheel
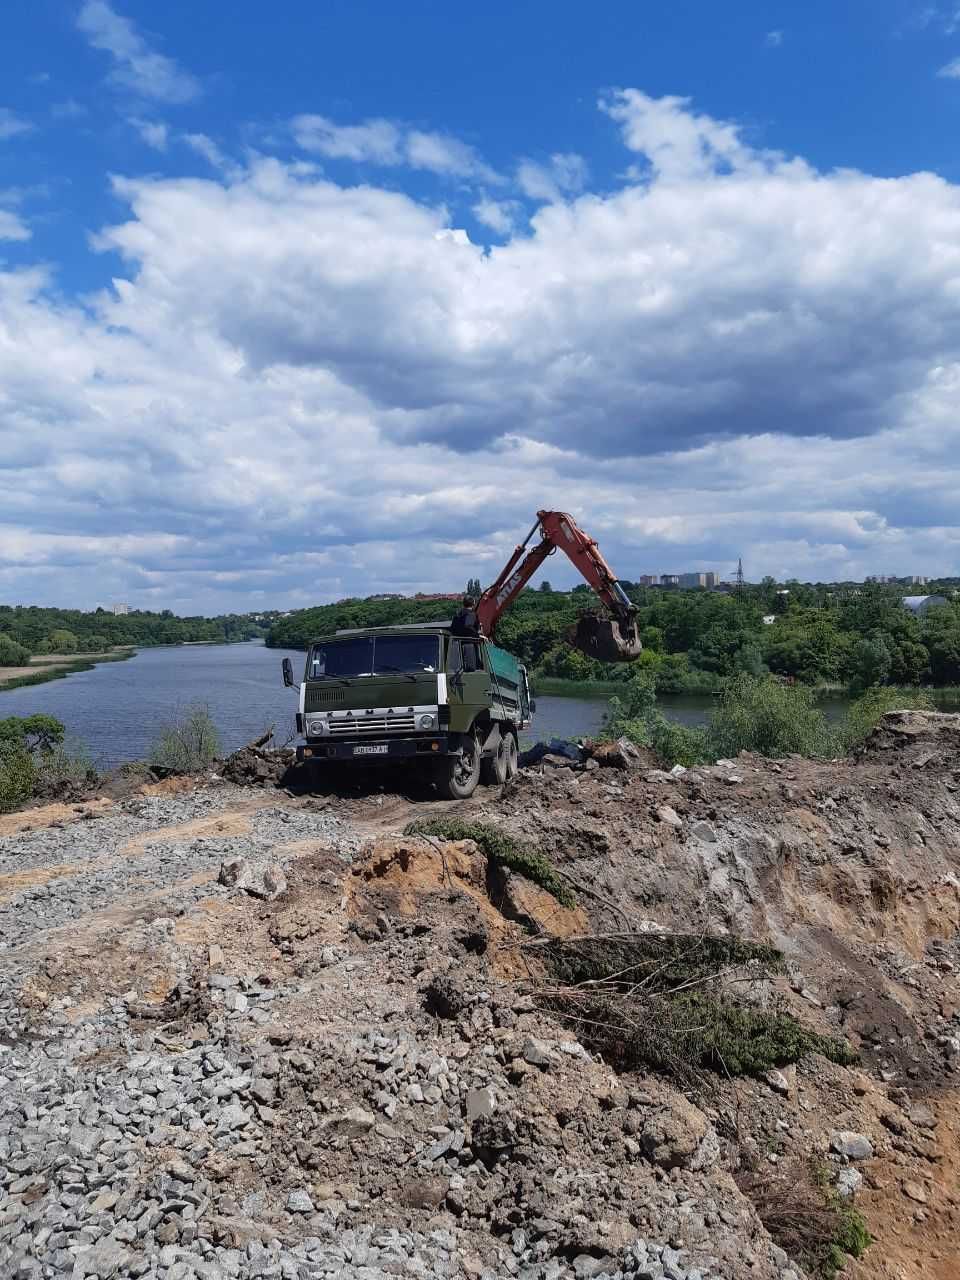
x: 493, y: 770
x: 457, y: 776
x: 513, y: 761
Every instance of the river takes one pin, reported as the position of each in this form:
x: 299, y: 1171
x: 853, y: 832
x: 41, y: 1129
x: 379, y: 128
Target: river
x: 116, y: 709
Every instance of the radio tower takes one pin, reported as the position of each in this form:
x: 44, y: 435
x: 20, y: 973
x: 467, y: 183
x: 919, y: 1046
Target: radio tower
x: 739, y: 577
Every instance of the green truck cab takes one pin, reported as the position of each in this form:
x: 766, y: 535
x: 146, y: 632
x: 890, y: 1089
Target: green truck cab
x: 414, y: 695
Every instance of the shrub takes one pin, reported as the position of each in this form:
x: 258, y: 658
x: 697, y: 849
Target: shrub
x: 65, y: 767
x: 500, y: 849
x: 13, y: 654
x: 806, y: 1217
x: 662, y: 1002
x: 770, y: 718
x: 189, y: 743
x: 17, y: 775
x: 35, y: 733
x: 635, y: 716
x: 865, y: 714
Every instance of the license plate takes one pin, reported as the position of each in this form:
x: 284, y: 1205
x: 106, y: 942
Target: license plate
x: 375, y: 749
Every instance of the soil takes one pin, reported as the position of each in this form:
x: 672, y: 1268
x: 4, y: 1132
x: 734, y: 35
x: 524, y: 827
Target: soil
x: 395, y: 976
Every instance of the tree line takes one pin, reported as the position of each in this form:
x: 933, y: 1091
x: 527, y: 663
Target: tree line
x: 28, y: 630
x: 853, y: 635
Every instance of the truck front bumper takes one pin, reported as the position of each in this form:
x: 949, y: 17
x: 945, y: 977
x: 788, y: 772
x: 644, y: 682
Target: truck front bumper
x: 368, y: 752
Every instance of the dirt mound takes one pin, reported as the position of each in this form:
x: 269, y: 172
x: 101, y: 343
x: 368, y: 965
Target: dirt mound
x: 920, y: 738
x: 257, y: 767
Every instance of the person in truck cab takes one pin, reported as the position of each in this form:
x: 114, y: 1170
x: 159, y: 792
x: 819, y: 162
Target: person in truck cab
x: 465, y: 622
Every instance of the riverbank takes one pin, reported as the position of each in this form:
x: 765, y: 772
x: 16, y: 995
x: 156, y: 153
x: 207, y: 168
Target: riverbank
x: 945, y: 696
x: 47, y: 667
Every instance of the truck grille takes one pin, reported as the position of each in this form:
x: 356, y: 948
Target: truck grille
x: 322, y: 698
x: 373, y: 725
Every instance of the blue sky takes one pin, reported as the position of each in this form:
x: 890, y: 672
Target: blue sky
x: 313, y: 299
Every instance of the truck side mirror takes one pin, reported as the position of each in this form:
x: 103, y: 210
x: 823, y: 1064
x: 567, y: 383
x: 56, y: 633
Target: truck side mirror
x: 287, y: 668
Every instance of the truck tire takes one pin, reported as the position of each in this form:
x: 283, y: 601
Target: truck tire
x: 493, y: 770
x: 457, y: 776
x: 513, y: 754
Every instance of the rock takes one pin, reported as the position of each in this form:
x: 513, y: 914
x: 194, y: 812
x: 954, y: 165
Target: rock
x: 236, y: 1001
x: 855, y: 1146
x: 585, y: 1266
x: 782, y: 1082
x: 299, y: 1202
x: 445, y: 997
x: 353, y: 1123
x: 914, y: 1191
x: 849, y: 1182
x: 679, y: 1135
x: 922, y: 1116
x: 262, y: 880
x: 214, y: 956
x: 670, y: 816
x: 537, y: 1053
x: 703, y: 831
x: 622, y: 754
x: 480, y: 1102
x: 231, y: 1118
x: 104, y: 1260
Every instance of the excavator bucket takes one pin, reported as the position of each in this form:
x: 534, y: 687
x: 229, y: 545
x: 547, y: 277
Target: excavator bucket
x: 606, y: 639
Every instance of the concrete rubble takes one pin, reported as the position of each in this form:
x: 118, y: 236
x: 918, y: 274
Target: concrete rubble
x: 244, y: 1034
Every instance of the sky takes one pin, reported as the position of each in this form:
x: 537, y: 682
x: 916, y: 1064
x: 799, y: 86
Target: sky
x: 329, y: 297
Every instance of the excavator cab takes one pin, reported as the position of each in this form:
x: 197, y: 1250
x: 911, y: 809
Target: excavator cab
x: 606, y: 639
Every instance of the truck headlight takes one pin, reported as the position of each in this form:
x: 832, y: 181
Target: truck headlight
x: 427, y: 721
x: 317, y: 726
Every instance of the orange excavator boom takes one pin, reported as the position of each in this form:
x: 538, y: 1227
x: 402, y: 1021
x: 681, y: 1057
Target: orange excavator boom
x: 611, y: 638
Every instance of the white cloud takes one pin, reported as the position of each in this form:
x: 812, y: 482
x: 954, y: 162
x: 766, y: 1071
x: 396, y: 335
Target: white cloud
x: 153, y: 132
x: 499, y: 215
x: 138, y: 68
x: 12, y: 227
x: 951, y: 71
x: 69, y: 109
x: 11, y: 125
x: 383, y: 142
x: 735, y: 355
x: 206, y: 147
x: 565, y: 174
x: 774, y: 39
x: 376, y: 141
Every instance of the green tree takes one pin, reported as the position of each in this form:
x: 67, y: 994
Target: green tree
x: 12, y: 654
x: 189, y: 743
x: 872, y: 661
x: 546, y: 588
x: 36, y: 733
x: 63, y: 641
x: 17, y: 775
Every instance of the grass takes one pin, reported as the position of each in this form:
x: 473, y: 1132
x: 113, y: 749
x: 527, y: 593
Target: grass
x: 57, y: 671
x: 500, y: 849
x: 678, y: 1004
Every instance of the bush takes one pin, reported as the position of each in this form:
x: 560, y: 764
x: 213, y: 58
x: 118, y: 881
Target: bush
x: 806, y: 1217
x: 635, y: 716
x: 661, y: 1002
x: 189, y: 743
x: 34, y: 733
x: 865, y: 714
x: 65, y: 767
x: 770, y: 718
x: 17, y: 775
x: 500, y: 849
x: 13, y: 654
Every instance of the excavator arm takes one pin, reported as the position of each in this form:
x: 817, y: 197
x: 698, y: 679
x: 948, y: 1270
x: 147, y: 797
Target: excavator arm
x: 614, y: 638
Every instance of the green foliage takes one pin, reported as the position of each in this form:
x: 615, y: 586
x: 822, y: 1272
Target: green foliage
x: 806, y: 1217
x: 865, y: 714
x: 54, y: 631
x: 64, y: 768
x: 661, y: 1002
x: 501, y: 849
x: 12, y: 654
x: 34, y: 733
x: 187, y: 744
x: 634, y: 715
x: 17, y: 774
x: 770, y: 718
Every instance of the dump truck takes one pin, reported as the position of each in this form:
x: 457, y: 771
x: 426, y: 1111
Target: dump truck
x: 416, y: 695
x: 423, y: 694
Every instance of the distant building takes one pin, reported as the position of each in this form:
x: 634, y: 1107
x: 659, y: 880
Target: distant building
x: 120, y: 609
x: 647, y: 580
x: 669, y: 580
x: 920, y: 604
x: 711, y: 580
x: 692, y: 580
x: 917, y: 580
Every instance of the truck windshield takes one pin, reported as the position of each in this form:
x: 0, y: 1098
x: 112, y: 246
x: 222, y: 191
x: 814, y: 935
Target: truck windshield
x: 373, y: 655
